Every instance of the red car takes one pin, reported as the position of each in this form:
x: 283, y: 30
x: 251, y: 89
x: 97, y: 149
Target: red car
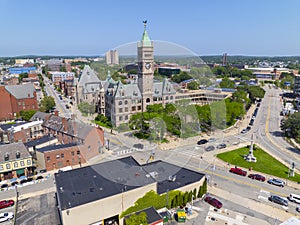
x: 214, y: 202
x: 257, y: 177
x: 238, y: 171
x: 6, y: 203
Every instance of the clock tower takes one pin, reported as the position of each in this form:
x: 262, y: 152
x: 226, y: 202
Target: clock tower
x: 145, y: 68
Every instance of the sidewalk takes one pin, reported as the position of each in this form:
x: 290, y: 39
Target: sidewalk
x: 252, y: 204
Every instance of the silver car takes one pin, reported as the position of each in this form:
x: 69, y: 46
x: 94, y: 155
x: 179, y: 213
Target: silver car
x: 276, y: 182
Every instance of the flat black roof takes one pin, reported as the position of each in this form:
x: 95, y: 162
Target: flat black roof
x: 42, y: 140
x: 152, y: 215
x: 80, y: 186
x: 165, y: 170
x: 55, y: 147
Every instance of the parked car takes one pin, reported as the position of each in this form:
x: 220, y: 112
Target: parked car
x: 238, y: 171
x: 276, y: 182
x: 6, y: 216
x: 298, y: 209
x: 67, y: 106
x: 222, y: 145
x: 257, y: 177
x: 244, y: 131
x: 212, y: 140
x: 6, y: 203
x: 214, y: 202
x: 251, y: 122
x: 279, y: 200
x: 202, y: 141
x: 209, y: 148
x: 4, y: 185
x: 39, y: 177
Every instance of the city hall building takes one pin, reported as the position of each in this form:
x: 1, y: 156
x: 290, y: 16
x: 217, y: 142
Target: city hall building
x: 119, y: 101
x: 98, y: 194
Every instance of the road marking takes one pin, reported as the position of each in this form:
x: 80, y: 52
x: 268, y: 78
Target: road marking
x: 263, y: 198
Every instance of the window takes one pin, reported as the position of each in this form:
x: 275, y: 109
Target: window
x: 120, y: 102
x: 8, y: 166
x: 1, y: 167
x: 139, y: 107
x: 120, y: 110
x: 126, y: 117
x: 126, y: 102
x: 57, y: 156
x: 48, y: 158
x: 62, y: 155
x: 16, y: 164
x: 28, y: 162
x: 78, y: 152
x: 120, y: 118
x: 171, y: 97
x: 22, y: 163
x: 19, y: 103
x: 133, y: 108
x: 89, y: 148
x: 126, y: 109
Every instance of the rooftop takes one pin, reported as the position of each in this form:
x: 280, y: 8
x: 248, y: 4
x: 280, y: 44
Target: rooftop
x: 12, y: 149
x: 21, y: 91
x: 42, y: 140
x: 152, y: 215
x: 55, y: 147
x: 91, y: 183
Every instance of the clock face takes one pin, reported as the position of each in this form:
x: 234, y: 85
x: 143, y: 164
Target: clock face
x: 148, y: 66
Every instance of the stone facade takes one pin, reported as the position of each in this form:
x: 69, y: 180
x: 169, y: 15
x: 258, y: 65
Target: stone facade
x: 119, y: 101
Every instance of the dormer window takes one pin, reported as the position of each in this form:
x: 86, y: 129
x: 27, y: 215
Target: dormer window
x: 18, y: 155
x: 6, y: 157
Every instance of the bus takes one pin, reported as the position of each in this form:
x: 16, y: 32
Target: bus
x: 294, y: 198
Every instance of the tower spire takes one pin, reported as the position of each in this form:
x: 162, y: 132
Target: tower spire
x: 145, y: 38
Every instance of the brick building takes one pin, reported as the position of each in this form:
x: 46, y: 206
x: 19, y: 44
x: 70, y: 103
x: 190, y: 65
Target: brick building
x: 58, y: 156
x: 90, y: 139
x: 14, y: 98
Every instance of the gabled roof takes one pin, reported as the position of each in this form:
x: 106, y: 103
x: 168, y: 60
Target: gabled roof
x: 88, y: 75
x: 12, y: 149
x: 21, y: 91
x: 163, y: 88
x: 38, y: 116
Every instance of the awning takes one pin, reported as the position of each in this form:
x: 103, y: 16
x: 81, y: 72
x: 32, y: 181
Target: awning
x: 19, y: 172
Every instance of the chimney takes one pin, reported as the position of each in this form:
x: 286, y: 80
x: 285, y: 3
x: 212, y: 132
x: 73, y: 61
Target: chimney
x: 64, y: 123
x: 56, y: 112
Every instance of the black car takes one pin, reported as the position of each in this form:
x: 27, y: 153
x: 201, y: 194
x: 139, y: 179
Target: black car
x: 251, y: 122
x: 67, y: 106
x: 202, y: 142
x: 279, y: 200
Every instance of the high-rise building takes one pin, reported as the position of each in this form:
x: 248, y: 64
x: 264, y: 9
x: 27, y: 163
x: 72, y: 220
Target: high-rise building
x: 224, y: 59
x: 297, y: 85
x: 112, y: 57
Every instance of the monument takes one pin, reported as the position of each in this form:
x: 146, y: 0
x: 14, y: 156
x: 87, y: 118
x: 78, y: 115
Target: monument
x: 250, y: 157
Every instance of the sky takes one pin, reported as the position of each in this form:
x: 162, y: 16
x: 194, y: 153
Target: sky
x: 204, y: 27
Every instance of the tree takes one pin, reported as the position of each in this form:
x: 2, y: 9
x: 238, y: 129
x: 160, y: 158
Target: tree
x: 291, y: 126
x: 86, y: 108
x: 27, y: 114
x: 137, y: 219
x: 47, y: 104
x: 227, y: 83
x: 193, y: 85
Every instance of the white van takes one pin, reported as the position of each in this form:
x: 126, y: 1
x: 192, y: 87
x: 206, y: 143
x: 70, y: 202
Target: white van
x: 294, y: 198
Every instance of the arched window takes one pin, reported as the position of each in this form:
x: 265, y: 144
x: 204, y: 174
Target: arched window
x: 120, y: 102
x: 147, y: 100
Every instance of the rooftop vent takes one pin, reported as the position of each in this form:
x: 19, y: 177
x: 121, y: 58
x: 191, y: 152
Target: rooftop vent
x: 172, y: 177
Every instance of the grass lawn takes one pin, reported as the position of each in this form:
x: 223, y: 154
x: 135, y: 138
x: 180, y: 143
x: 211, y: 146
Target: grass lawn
x: 265, y: 163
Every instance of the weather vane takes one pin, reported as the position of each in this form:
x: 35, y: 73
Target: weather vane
x: 145, y: 23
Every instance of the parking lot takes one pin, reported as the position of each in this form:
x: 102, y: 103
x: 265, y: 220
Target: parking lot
x: 38, y: 210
